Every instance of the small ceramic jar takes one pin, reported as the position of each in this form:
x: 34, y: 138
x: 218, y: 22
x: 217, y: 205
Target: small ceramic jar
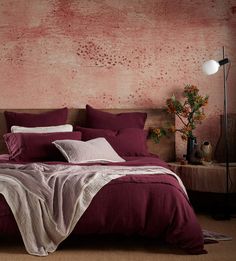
x: 207, y: 151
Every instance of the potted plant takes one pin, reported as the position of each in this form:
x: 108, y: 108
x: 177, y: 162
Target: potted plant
x: 190, y: 113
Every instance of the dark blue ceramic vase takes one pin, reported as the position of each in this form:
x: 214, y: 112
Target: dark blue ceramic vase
x: 190, y: 147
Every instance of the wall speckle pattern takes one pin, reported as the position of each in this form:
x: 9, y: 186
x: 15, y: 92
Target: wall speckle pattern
x: 115, y: 54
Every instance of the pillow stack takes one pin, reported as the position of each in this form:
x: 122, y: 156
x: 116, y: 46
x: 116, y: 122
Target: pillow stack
x: 124, y: 131
x: 32, y: 135
x: 46, y: 136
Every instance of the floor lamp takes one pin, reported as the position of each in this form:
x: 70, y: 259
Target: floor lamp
x: 211, y: 67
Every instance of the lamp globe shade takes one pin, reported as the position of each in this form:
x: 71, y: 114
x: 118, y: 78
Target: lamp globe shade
x: 210, y: 67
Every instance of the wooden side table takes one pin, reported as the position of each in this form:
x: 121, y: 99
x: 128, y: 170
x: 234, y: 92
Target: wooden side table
x: 210, y: 178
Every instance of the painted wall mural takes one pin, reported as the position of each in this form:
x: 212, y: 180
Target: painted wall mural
x: 115, y: 53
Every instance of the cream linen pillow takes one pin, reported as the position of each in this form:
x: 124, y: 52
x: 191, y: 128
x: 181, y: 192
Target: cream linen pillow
x: 95, y: 150
x: 49, y: 129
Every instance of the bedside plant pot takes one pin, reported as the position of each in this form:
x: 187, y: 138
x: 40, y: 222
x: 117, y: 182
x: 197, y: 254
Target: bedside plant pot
x: 190, y: 147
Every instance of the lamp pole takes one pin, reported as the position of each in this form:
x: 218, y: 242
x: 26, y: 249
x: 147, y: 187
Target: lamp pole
x: 227, y: 211
x: 211, y: 67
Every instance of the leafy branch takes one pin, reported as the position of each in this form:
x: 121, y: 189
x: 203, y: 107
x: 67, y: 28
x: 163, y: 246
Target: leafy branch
x: 190, y: 113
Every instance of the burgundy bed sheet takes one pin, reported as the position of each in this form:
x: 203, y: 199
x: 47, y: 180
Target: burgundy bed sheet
x: 148, y: 205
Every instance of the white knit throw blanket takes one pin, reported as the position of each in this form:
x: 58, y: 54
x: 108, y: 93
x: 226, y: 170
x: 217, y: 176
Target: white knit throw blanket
x: 48, y: 200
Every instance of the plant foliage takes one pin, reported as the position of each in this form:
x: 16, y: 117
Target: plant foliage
x: 190, y: 112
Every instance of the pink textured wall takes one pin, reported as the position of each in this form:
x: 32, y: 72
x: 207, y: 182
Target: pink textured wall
x: 116, y: 54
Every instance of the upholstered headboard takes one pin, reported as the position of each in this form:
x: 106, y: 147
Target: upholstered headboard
x: 156, y: 118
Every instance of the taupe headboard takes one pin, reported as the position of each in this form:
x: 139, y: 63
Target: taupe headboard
x: 156, y: 118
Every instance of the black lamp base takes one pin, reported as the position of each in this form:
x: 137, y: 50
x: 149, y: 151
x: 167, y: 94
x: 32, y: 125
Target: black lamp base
x: 225, y: 210
x: 221, y: 216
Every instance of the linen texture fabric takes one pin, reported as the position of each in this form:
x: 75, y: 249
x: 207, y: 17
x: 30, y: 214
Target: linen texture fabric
x: 51, y: 118
x: 49, y: 129
x: 95, y: 150
x: 29, y: 147
x: 99, y: 119
x: 126, y: 142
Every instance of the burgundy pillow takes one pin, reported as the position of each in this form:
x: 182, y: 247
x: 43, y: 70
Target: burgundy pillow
x: 98, y: 119
x: 51, y: 118
x: 37, y: 146
x: 126, y: 142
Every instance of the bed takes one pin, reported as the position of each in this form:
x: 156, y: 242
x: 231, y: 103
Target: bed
x: 139, y: 196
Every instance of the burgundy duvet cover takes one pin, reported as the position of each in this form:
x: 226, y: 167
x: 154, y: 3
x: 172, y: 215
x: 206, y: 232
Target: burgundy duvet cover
x: 153, y: 206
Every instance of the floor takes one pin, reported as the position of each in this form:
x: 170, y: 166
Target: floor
x: 130, y: 249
